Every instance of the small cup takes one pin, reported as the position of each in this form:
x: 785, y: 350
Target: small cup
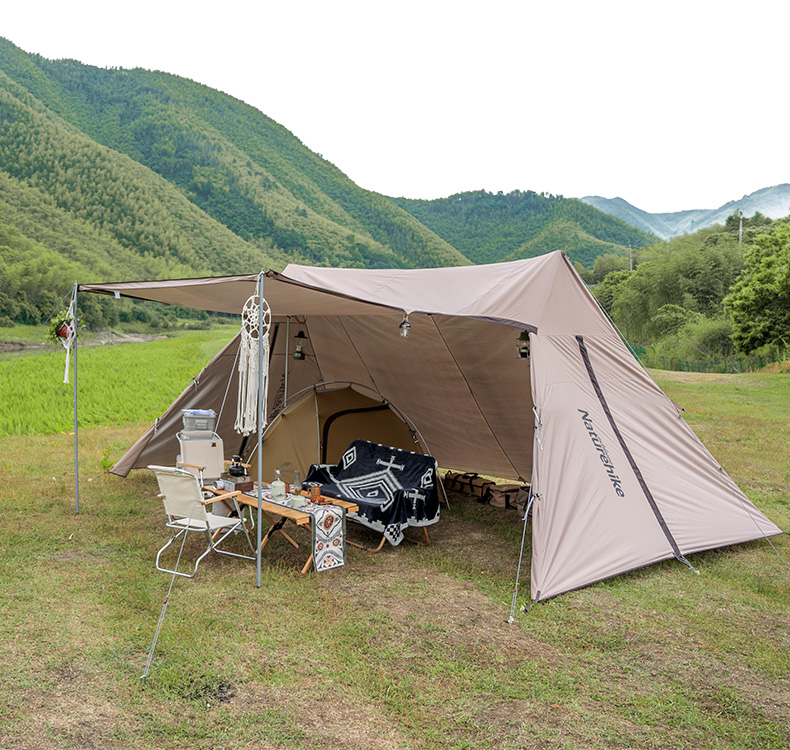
x: 315, y: 493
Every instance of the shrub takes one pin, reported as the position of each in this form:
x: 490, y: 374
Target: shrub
x: 701, y: 338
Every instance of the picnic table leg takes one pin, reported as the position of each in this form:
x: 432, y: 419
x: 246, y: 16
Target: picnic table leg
x: 368, y: 549
x: 307, y: 564
x: 295, y: 544
x: 276, y: 526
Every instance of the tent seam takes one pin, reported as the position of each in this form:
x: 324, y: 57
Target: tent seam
x: 631, y: 460
x: 474, y: 398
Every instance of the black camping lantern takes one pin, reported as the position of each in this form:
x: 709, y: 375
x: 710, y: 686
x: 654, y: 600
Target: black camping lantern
x: 522, y: 345
x: 300, y: 339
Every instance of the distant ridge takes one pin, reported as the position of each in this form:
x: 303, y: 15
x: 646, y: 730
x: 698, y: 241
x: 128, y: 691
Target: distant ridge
x: 494, y: 227
x: 773, y: 202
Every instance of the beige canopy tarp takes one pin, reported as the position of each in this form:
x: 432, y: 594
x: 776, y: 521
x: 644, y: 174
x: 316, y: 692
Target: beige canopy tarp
x: 620, y: 480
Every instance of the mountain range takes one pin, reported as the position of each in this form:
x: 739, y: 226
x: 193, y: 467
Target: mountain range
x: 773, y: 202
x: 117, y: 174
x: 490, y: 228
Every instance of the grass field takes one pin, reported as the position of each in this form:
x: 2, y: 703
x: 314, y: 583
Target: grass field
x: 408, y: 648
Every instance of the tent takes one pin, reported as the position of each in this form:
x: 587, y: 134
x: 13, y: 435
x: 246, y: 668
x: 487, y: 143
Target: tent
x: 619, y: 480
x: 318, y: 424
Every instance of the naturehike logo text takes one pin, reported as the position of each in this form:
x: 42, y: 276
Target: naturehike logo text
x: 603, y: 454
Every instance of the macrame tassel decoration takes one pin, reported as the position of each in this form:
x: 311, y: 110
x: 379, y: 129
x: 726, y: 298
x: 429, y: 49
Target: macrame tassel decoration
x: 68, y: 335
x: 252, y: 337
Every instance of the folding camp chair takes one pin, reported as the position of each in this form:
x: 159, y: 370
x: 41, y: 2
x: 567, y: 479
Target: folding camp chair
x: 187, y: 511
x: 203, y: 452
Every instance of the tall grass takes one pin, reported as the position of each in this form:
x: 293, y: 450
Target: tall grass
x: 117, y: 384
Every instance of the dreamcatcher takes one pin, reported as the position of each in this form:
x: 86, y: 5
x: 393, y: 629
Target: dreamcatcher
x: 252, y: 338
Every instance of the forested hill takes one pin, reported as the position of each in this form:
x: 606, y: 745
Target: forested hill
x: 489, y: 228
x: 115, y: 174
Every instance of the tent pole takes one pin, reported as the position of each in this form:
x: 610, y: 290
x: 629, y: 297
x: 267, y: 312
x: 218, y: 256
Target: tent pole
x: 512, y: 617
x: 287, y: 355
x: 531, y: 499
x: 260, y: 426
x: 76, y: 444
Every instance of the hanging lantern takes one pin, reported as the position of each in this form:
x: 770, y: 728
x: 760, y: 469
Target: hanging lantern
x: 405, y: 326
x: 301, y: 340
x: 522, y: 345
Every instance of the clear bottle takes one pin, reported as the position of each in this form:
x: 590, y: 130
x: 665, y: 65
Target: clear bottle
x: 278, y: 488
x: 297, y: 500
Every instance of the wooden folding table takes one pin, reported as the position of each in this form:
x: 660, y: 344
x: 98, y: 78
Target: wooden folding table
x: 276, y: 515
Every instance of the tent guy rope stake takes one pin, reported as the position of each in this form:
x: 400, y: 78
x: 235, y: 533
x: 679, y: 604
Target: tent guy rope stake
x: 167, y: 599
x: 511, y: 619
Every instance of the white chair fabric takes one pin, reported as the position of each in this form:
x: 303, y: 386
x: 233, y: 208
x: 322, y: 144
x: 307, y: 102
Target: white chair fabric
x: 203, y: 452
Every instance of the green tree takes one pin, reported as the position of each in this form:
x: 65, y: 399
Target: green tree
x: 694, y: 273
x: 607, y: 291
x: 670, y: 319
x: 607, y: 263
x: 760, y: 299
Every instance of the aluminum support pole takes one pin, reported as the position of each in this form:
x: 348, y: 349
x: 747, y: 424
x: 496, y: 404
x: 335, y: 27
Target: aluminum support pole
x: 76, y: 443
x: 287, y: 356
x: 260, y: 426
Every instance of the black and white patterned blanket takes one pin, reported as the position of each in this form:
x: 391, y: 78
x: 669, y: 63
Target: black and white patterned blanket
x: 394, y: 488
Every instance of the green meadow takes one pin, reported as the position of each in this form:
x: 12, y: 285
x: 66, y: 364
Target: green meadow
x: 407, y: 648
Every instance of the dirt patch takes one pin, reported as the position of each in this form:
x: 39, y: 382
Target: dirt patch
x: 534, y: 726
x: 481, y: 551
x: 17, y: 346
x: 102, y: 338
x: 71, y: 715
x: 324, y: 722
x: 455, y: 610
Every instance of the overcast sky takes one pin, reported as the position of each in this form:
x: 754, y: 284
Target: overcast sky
x: 670, y: 105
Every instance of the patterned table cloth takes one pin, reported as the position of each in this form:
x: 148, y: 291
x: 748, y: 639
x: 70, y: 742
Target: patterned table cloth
x: 328, y: 527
